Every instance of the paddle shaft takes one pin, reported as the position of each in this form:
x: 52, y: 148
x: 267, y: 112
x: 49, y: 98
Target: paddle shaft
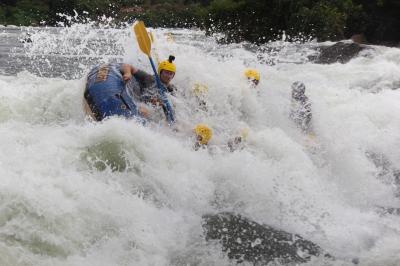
x: 144, y: 42
x: 170, y: 115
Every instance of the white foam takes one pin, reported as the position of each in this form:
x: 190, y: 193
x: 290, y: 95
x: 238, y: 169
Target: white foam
x: 62, y: 203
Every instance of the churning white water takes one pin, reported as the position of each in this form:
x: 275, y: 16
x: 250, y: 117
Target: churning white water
x: 74, y: 192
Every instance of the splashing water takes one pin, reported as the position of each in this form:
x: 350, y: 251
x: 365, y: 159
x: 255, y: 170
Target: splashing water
x: 74, y: 192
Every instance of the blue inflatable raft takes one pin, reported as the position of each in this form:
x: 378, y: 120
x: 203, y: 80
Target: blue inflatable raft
x: 106, y: 94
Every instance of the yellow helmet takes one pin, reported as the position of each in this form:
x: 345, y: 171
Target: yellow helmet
x: 244, y: 133
x: 252, y: 73
x: 204, y: 132
x: 167, y: 65
x: 200, y: 89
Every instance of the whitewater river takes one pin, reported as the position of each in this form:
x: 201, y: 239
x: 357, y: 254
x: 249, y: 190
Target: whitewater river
x: 74, y: 192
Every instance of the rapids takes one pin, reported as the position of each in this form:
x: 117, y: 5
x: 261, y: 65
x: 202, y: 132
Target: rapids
x: 74, y: 192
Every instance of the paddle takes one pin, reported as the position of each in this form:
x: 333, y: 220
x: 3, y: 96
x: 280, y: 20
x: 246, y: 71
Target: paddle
x: 145, y: 45
x: 154, y: 47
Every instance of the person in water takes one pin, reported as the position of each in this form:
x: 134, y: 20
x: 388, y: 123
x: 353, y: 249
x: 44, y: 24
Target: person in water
x: 204, y: 134
x: 200, y: 92
x: 300, y: 111
x: 144, y: 85
x: 121, y: 89
x: 253, y: 75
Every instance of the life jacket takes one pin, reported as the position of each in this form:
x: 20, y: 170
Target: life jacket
x: 106, y: 93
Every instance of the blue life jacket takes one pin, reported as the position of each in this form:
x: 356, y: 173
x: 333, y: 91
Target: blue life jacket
x: 106, y: 93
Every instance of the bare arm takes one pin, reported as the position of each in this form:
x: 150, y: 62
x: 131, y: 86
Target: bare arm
x: 128, y: 71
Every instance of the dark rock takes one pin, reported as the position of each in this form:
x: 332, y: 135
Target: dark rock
x: 26, y: 40
x: 339, y: 52
x: 386, y: 169
x: 389, y: 174
x: 246, y: 240
x: 389, y: 210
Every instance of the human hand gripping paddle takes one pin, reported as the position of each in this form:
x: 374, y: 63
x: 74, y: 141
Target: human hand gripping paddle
x: 144, y: 42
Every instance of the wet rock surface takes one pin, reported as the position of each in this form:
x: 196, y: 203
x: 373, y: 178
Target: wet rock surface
x: 246, y: 240
x: 341, y: 52
x: 388, y: 174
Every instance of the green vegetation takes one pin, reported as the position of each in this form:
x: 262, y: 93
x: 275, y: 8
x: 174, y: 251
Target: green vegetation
x: 23, y: 12
x: 256, y: 21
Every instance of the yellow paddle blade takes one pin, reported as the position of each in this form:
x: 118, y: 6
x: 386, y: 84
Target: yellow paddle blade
x: 152, y: 38
x: 154, y: 48
x: 142, y: 37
